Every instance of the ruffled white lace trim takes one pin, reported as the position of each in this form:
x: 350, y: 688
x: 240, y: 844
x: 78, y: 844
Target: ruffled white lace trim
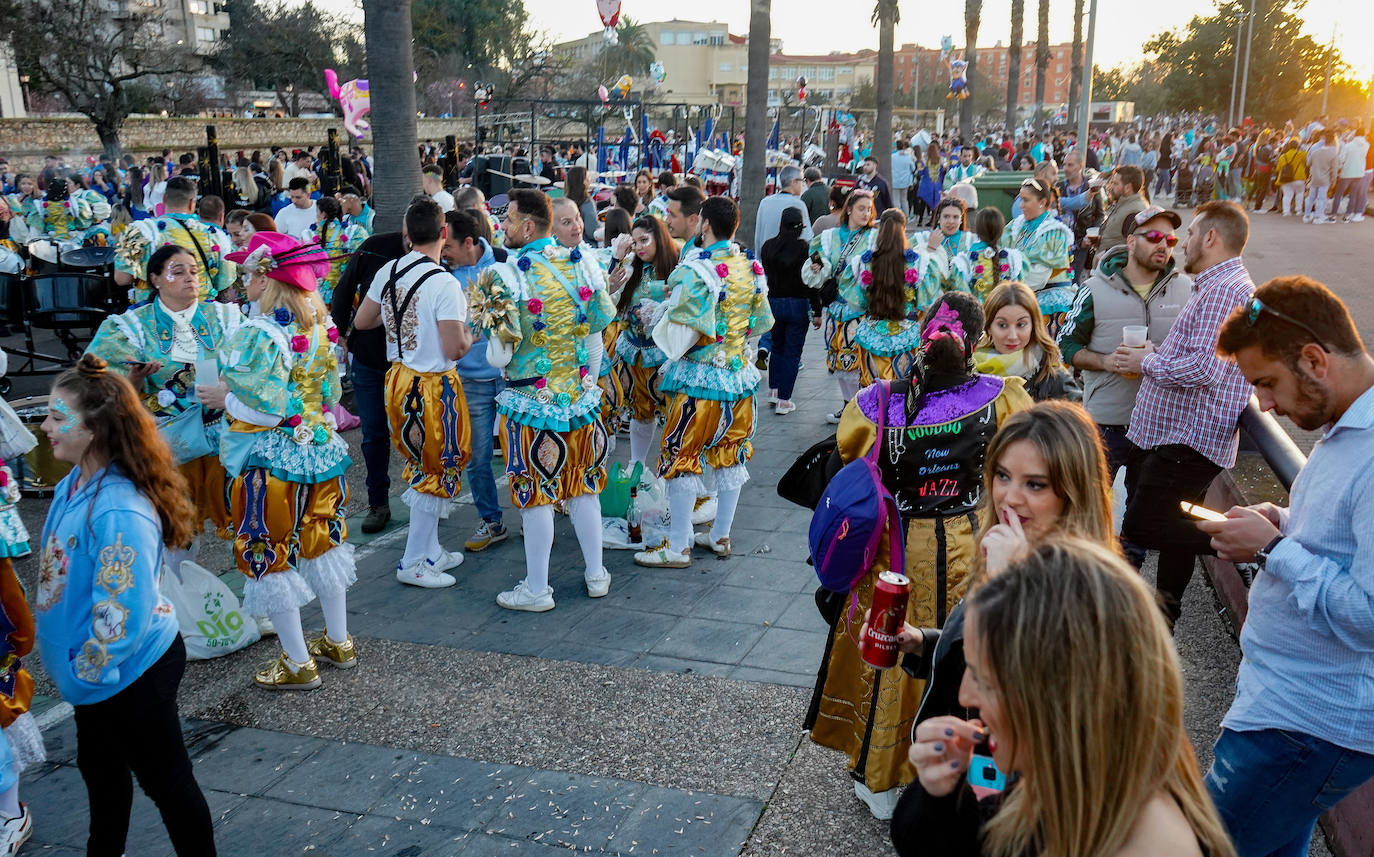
x: 26, y: 741
x: 689, y: 485
x: 332, y: 572
x: 277, y: 592
x: 702, y: 381
x: 731, y: 478
x: 441, y: 506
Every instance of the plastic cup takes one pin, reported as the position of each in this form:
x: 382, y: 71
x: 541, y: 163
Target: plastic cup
x: 1092, y: 232
x: 1134, y: 335
x: 207, y: 372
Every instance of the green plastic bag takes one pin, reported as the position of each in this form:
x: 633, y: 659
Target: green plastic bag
x: 615, y: 499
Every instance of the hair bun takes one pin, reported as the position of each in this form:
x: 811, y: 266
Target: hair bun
x: 91, y: 366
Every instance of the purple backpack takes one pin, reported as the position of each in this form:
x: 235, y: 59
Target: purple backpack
x: 848, y: 523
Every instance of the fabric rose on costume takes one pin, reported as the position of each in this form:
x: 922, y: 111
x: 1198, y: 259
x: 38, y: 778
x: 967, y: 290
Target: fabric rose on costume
x: 978, y: 269
x: 534, y: 305
x: 293, y: 420
x: 582, y: 371
x: 166, y: 398
x: 575, y: 255
x: 704, y: 255
x: 299, y: 343
x: 4, y: 479
x: 911, y: 275
x: 523, y: 264
x: 758, y: 268
x: 584, y: 293
x: 866, y: 256
x: 540, y: 384
x: 866, y: 278
x: 282, y: 316
x: 333, y: 334
x: 321, y: 434
x: 1006, y: 268
x: 910, y: 255
x: 722, y: 270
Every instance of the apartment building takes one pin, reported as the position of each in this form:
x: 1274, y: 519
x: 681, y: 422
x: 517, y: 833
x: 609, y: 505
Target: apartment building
x: 913, y: 63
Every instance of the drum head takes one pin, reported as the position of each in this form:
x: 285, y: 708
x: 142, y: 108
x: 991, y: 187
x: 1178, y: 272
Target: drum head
x: 89, y: 257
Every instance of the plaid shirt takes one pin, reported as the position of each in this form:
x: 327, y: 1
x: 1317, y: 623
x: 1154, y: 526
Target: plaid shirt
x: 1188, y: 394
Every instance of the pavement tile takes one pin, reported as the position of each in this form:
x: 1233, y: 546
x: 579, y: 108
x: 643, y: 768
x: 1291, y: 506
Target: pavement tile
x: 60, y: 742
x: 449, y: 790
x: 244, y: 761
x: 762, y: 676
x: 147, y: 833
x: 709, y: 640
x: 801, y: 614
x: 344, y: 777
x: 565, y: 809
x: 787, y: 650
x: 613, y: 627
x: 672, y: 822
x: 759, y: 572
x: 267, y: 826
x: 661, y: 591
x: 484, y: 845
x: 564, y: 650
x: 61, y: 813
x: 739, y: 604
x: 682, y: 666
x: 406, y: 838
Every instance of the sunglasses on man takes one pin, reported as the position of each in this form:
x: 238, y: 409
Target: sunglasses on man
x: 1255, y: 307
x: 1154, y: 236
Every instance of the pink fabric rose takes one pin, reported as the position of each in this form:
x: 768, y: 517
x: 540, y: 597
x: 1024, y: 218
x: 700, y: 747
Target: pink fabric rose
x: 720, y: 339
x: 4, y: 479
x: 866, y: 278
x: 584, y: 293
x: 299, y: 344
x: 1006, y: 268
x: 534, y: 305
x: 333, y: 334
x: 911, y: 275
x: 293, y: 420
x: 540, y: 384
x: 582, y: 371
x: 723, y: 269
x: 978, y: 269
x: 758, y: 268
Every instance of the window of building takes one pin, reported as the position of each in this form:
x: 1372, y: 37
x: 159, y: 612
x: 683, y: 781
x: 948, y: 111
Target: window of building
x: 772, y: 73
x: 846, y: 71
x: 699, y: 38
x: 1059, y: 68
x: 206, y: 34
x: 725, y: 66
x: 199, y: 7
x: 717, y: 38
x: 667, y: 37
x: 827, y: 73
x: 684, y: 38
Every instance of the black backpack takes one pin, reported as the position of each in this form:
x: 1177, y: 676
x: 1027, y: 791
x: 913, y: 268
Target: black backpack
x: 1286, y: 172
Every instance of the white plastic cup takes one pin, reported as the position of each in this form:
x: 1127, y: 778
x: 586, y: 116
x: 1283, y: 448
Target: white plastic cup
x: 207, y: 372
x: 1092, y: 232
x: 1134, y: 335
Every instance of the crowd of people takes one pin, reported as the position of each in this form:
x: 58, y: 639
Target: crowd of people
x: 995, y: 373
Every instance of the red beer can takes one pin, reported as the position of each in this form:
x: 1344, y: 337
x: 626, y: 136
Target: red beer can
x: 879, y: 644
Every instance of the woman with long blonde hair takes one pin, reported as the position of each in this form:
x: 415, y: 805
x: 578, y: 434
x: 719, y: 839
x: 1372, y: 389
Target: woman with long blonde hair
x: 1074, y: 673
x: 1017, y: 342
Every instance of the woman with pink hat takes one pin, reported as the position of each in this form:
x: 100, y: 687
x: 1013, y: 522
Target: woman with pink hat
x: 286, y: 458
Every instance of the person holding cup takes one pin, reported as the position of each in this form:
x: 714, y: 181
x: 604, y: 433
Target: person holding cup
x: 1134, y: 285
x: 159, y: 347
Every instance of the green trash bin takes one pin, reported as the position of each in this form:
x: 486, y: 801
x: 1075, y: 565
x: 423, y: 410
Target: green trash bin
x: 999, y: 189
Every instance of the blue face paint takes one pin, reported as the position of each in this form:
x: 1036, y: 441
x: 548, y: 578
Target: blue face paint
x: 70, y: 420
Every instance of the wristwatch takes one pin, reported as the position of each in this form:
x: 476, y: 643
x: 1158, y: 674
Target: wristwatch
x: 1262, y: 555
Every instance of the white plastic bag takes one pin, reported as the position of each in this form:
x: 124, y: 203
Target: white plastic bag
x: 209, y: 616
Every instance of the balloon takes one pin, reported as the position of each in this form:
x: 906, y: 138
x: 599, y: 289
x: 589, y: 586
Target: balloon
x: 609, y: 10
x: 623, y: 85
x: 356, y: 100
x: 657, y: 73
x: 603, y: 94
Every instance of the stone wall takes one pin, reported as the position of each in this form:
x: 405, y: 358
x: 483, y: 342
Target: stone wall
x: 26, y: 141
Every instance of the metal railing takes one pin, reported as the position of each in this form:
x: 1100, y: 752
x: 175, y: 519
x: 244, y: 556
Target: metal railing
x: 1277, y: 448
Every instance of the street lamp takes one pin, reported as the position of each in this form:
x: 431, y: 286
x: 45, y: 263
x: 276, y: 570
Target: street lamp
x: 24, y: 90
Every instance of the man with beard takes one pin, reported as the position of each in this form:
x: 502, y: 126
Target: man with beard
x: 683, y: 215
x: 1300, y: 732
x: 1134, y: 284
x: 1182, y: 431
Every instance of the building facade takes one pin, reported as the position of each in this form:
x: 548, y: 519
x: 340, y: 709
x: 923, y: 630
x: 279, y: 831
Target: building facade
x: 830, y: 78
x: 922, y: 66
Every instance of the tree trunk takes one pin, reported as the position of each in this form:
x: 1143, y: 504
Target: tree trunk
x: 1018, y: 18
x: 882, y: 123
x: 107, y: 130
x: 391, y: 69
x: 756, y: 122
x: 1042, y: 58
x: 1076, y: 70
x: 973, y: 14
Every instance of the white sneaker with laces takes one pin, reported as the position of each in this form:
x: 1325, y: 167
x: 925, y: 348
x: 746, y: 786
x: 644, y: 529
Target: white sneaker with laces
x: 597, y: 587
x: 772, y: 396
x: 15, y: 831
x: 448, y: 561
x: 422, y: 574
x: 881, y: 804
x: 664, y: 557
x: 834, y: 419
x: 1357, y: 218
x: 783, y: 408
x: 521, y: 598
x: 705, y: 511
x: 719, y: 548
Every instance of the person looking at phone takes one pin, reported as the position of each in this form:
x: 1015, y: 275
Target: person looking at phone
x: 1066, y: 641
x: 1300, y: 734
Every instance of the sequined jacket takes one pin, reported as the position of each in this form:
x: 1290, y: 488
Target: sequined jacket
x: 101, y: 620
x: 838, y: 248
x: 646, y: 306
x: 142, y: 238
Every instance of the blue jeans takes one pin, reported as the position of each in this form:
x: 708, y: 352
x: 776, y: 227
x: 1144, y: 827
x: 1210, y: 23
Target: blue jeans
x: 369, y: 397
x: 790, y: 321
x: 1271, y: 785
x: 481, y: 398
x: 766, y: 342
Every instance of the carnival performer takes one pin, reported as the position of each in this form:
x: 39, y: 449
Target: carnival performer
x: 425, y: 317
x: 641, y: 280
x: 1046, y: 246
x: 108, y: 638
x: 966, y: 169
x: 832, y: 255
x: 180, y: 226
x: 543, y: 316
x: 867, y: 713
x: 888, y: 333
x: 98, y: 233
x: 337, y: 237
x: 156, y: 345
x: 21, y: 742
x: 567, y: 232
x: 987, y: 262
x: 58, y: 217
x: 719, y: 299
x: 26, y: 198
x: 659, y: 206
x: 940, y: 250
x: 286, y: 460
x: 14, y: 536
x: 683, y: 217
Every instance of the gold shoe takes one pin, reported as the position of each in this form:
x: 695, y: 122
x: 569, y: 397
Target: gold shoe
x: 278, y: 676
x: 341, y: 655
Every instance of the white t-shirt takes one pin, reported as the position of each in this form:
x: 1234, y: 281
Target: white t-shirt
x: 440, y: 298
x: 296, y: 222
x: 444, y: 198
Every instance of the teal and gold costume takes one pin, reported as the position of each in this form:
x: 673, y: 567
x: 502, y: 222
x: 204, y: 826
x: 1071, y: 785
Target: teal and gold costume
x: 980, y: 269
x: 543, y: 313
x: 206, y: 243
x: 1046, y: 247
x: 340, y: 240
x: 887, y: 347
x: 637, y: 356
x: 838, y: 248
x: 939, y: 268
x: 288, y: 489
x: 152, y: 333
x: 68, y: 221
x: 658, y: 206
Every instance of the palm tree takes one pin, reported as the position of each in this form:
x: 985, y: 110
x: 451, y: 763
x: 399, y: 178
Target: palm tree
x: 756, y: 122
x: 631, y: 54
x: 1042, y: 57
x: 1018, y: 18
x: 885, y: 18
x: 1076, y: 72
x: 391, y: 67
x: 973, y: 19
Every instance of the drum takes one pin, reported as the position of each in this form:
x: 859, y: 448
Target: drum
x: 42, y: 471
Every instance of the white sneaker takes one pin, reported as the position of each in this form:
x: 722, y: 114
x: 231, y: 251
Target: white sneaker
x: 834, y: 419
x: 265, y: 629
x: 664, y: 557
x: 1356, y: 218
x: 15, y: 831
x: 422, y: 574
x: 448, y: 561
x: 720, y: 548
x: 521, y: 598
x: 783, y: 408
x: 597, y: 587
x: 881, y: 804
x: 772, y: 396
x: 1307, y: 218
x: 705, y: 511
